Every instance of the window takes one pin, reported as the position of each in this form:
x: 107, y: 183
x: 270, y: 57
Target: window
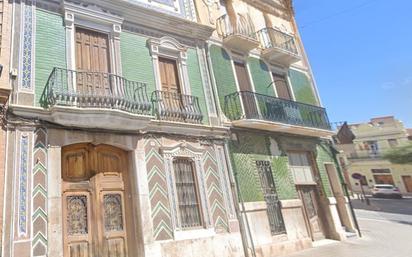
x: 276, y: 222
x: 301, y: 168
x: 189, y: 212
x: 282, y: 88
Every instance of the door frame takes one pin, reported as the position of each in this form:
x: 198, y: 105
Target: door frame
x: 316, y: 202
x: 96, y: 20
x: 405, y: 184
x: 95, y: 194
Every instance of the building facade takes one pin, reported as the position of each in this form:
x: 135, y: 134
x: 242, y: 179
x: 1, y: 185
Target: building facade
x: 5, y: 88
x: 164, y: 128
x: 363, y: 146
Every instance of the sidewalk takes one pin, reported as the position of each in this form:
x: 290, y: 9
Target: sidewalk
x: 387, y: 235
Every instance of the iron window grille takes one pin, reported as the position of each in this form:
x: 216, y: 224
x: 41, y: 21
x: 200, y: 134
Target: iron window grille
x: 276, y: 222
x: 189, y: 212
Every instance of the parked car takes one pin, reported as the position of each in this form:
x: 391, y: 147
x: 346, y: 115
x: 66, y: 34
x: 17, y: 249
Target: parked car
x: 386, y: 190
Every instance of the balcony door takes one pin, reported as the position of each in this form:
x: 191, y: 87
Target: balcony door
x: 93, y: 203
x: 172, y: 101
x: 169, y: 75
x: 282, y: 88
x: 92, y: 62
x: 247, y: 95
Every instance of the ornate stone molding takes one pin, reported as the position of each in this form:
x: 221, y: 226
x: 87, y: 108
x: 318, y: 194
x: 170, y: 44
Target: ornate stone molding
x: 93, y: 17
x: 23, y: 184
x: 171, y: 48
x: 186, y: 150
x: 143, y: 16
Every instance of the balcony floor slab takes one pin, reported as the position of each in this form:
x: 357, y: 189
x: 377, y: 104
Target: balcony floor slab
x: 86, y: 117
x: 282, y: 128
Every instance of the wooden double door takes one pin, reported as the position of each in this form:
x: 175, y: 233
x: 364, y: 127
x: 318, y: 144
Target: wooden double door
x: 93, y: 204
x: 311, y: 209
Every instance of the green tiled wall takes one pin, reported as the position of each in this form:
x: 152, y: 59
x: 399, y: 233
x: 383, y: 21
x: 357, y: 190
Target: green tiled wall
x: 285, y: 186
x: 244, y: 154
x: 323, y: 155
x: 302, y: 87
x: 136, y: 60
x: 196, y: 83
x: 50, y: 48
x: 261, y: 77
x: 222, y: 69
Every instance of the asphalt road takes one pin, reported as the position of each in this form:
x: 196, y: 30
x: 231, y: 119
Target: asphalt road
x: 386, y: 226
x: 399, y: 206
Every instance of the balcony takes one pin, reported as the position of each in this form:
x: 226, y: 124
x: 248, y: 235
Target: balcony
x: 278, y: 47
x: 365, y: 155
x: 252, y: 110
x: 173, y: 106
x: 238, y: 33
x: 105, y: 100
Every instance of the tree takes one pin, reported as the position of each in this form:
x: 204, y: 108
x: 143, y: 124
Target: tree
x: 400, y: 155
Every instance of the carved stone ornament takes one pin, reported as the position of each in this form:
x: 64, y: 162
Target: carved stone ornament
x: 209, y: 5
x: 182, y: 150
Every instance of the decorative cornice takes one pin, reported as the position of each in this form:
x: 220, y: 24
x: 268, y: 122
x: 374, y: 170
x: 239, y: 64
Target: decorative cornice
x: 274, y: 7
x: 140, y: 15
x: 182, y: 149
x: 167, y: 45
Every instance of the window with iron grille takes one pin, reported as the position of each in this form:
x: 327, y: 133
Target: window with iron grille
x: 276, y: 222
x: 189, y: 212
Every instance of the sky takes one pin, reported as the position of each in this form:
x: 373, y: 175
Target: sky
x: 361, y: 56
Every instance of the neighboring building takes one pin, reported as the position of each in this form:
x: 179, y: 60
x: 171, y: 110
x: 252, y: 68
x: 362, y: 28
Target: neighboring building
x: 363, y: 145
x: 409, y: 131
x: 5, y: 25
x: 129, y: 123
x: 280, y: 154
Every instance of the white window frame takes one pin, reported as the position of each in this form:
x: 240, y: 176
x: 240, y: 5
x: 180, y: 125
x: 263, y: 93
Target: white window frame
x: 95, y: 19
x: 282, y: 72
x: 170, y: 48
x: 242, y: 59
x: 308, y: 171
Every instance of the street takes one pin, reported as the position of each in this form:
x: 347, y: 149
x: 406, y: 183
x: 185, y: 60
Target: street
x: 386, y: 227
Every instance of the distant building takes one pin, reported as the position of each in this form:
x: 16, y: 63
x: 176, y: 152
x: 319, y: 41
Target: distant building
x: 363, y: 146
x: 409, y: 131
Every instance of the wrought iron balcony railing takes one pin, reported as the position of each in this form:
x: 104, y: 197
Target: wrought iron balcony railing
x: 274, y: 38
x: 86, y: 89
x: 250, y: 105
x: 225, y: 26
x: 173, y: 106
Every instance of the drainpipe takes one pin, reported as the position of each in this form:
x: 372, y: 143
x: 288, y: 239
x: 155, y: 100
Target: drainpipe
x: 345, y: 188
x: 237, y: 198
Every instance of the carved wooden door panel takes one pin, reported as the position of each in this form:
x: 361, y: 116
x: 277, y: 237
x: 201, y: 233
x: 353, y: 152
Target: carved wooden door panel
x: 93, y: 201
x: 78, y: 230
x: 110, y: 219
